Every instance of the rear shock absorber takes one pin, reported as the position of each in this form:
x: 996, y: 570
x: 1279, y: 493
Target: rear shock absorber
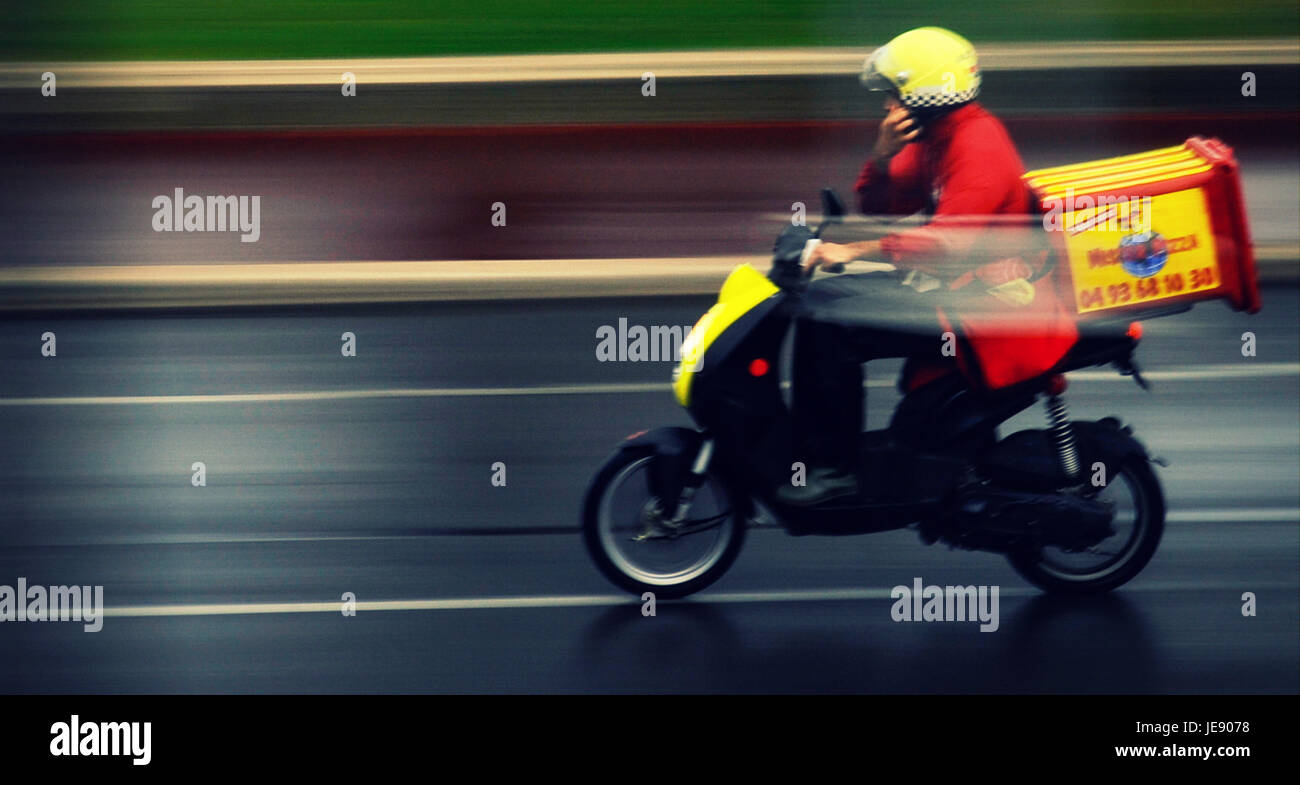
x: 1059, y: 426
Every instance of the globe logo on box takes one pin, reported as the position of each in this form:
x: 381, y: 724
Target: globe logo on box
x: 1143, y: 254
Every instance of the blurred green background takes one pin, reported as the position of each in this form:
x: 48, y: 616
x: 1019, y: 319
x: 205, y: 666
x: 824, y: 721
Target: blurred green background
x: 39, y: 30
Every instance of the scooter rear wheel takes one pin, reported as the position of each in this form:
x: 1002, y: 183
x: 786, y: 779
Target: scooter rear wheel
x: 1140, y: 523
x: 636, y: 551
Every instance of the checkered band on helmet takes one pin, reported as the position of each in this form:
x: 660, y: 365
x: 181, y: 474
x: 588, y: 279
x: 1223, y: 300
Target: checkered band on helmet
x: 940, y: 98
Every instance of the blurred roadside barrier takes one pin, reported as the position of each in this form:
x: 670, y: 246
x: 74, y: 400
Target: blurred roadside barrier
x: 338, y: 283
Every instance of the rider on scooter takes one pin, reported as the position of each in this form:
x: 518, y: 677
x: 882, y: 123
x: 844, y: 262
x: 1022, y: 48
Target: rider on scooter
x: 938, y: 152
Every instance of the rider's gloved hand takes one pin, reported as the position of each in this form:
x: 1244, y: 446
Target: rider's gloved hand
x: 897, y: 130
x: 827, y: 255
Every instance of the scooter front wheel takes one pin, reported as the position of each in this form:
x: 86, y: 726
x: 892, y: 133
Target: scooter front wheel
x: 636, y: 546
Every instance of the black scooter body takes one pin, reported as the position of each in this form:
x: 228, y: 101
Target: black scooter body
x: 941, y: 437
x: 1039, y: 497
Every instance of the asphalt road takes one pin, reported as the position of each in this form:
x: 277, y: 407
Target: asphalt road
x: 372, y: 475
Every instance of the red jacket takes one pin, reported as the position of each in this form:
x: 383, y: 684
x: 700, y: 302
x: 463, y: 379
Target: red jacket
x: 967, y: 171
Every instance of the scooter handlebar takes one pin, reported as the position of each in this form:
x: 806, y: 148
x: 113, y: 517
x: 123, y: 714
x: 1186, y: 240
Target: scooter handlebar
x: 866, y: 267
x: 807, y: 252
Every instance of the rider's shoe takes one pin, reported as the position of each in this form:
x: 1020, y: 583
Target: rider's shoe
x: 823, y: 484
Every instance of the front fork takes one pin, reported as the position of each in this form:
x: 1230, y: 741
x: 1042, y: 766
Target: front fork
x: 699, y: 470
x: 655, y: 525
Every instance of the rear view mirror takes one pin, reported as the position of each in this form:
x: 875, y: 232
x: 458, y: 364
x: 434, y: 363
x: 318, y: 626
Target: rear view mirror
x: 832, y: 207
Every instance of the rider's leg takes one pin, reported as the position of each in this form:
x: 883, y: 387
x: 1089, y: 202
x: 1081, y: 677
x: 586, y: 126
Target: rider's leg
x: 828, y: 395
x: 856, y: 319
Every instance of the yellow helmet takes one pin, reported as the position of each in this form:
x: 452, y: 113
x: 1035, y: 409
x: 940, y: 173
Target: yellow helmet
x: 926, y: 68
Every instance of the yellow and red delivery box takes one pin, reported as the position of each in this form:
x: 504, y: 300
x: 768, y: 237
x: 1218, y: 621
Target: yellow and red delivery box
x: 1143, y: 233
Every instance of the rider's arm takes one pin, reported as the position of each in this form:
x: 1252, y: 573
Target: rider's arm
x: 980, y: 170
x: 892, y: 186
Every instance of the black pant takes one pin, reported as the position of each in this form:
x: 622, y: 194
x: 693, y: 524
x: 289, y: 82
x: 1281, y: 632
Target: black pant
x: 844, y: 322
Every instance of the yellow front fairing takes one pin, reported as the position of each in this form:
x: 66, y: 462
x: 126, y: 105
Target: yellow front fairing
x: 743, y: 290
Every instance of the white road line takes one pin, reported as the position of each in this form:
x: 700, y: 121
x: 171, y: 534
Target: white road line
x: 1244, y: 370
x: 339, y: 395
x: 1242, y: 515
x: 594, y: 600
x: 259, y: 539
x: 1265, y: 515
x: 230, y: 609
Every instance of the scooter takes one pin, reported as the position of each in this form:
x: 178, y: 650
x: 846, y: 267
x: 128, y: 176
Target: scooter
x: 1075, y: 507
